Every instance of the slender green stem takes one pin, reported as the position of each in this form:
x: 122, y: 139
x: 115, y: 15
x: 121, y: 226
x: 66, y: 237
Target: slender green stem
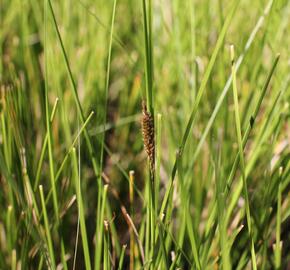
x: 147, y: 25
x: 47, y: 115
x: 158, y: 159
x: 192, y: 239
x: 278, y: 246
x: 131, y: 200
x: 100, y: 230
x: 242, y: 161
x: 47, y: 231
x: 99, y: 224
x: 43, y: 149
x: 13, y: 260
x: 81, y: 212
x: 106, y: 246
x: 121, y: 260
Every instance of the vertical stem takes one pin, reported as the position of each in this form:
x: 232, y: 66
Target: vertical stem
x: 106, y: 262
x: 81, y: 212
x: 147, y: 227
x: 121, y: 260
x: 240, y: 143
x: 51, y: 163
x: 150, y: 219
x: 47, y: 230
x: 278, y: 246
x: 100, y: 230
x: 158, y: 159
x: 99, y: 219
x: 193, y: 50
x: 9, y: 227
x: 131, y: 199
x: 147, y: 24
x: 13, y: 260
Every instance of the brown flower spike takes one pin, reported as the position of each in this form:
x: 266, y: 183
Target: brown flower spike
x: 148, y: 135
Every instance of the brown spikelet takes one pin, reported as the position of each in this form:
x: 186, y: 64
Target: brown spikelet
x: 148, y: 135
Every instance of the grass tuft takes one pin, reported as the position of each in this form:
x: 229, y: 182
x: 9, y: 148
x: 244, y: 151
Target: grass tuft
x: 196, y: 178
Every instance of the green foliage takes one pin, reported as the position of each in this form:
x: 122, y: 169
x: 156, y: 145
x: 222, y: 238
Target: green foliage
x: 73, y: 75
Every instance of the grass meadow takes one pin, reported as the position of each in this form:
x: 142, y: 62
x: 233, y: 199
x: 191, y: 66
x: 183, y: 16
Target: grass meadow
x: 149, y: 134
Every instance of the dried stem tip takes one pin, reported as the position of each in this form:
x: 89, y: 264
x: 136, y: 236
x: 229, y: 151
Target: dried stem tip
x: 148, y: 135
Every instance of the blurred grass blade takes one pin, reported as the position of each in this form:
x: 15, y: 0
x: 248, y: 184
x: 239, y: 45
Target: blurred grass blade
x: 278, y: 245
x: 48, y: 123
x: 121, y: 260
x: 47, y: 231
x: 100, y: 230
x: 81, y: 212
x: 242, y: 161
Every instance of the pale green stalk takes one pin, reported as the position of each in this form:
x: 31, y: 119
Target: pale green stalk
x: 81, y: 212
x: 47, y: 231
x: 278, y: 245
x: 242, y: 161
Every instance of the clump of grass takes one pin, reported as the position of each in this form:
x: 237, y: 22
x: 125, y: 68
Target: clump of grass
x: 206, y: 188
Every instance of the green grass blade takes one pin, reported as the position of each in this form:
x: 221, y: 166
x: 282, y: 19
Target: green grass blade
x: 193, y: 242
x: 47, y: 230
x: 121, y: 260
x: 278, y: 245
x: 47, y: 115
x: 43, y: 149
x: 100, y: 230
x: 81, y: 212
x: 242, y: 161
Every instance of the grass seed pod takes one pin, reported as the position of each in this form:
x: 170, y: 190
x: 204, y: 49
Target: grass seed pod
x: 148, y: 135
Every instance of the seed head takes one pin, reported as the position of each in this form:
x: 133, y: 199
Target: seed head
x: 148, y: 135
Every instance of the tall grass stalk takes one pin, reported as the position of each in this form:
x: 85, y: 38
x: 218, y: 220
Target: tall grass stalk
x: 100, y: 230
x: 242, y: 161
x: 121, y: 261
x: 131, y: 200
x: 147, y: 29
x: 149, y: 74
x: 106, y: 259
x: 47, y: 113
x: 81, y: 213
x: 99, y: 226
x: 51, y: 263
x: 278, y: 245
x: 222, y: 224
x: 44, y: 146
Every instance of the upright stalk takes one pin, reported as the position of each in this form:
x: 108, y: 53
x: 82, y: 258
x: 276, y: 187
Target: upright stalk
x: 241, y: 152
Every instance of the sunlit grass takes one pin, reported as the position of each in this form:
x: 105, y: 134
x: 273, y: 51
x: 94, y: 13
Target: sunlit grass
x: 78, y: 190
